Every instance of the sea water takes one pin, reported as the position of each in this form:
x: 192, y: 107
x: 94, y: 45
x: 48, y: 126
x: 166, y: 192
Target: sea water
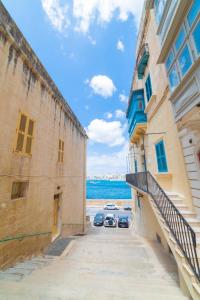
x: 108, y: 189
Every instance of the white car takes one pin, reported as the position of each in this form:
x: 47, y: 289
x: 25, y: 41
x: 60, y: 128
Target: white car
x: 110, y: 221
x: 110, y: 206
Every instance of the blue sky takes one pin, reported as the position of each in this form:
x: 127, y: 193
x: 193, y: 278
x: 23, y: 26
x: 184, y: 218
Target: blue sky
x: 88, y: 48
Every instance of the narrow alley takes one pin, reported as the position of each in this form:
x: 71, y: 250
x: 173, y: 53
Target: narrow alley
x: 108, y: 263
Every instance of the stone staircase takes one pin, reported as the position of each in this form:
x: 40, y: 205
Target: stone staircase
x: 105, y: 264
x: 25, y: 268
x: 191, y: 281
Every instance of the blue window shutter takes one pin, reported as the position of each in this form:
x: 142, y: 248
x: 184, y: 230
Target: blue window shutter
x: 148, y: 87
x: 161, y: 157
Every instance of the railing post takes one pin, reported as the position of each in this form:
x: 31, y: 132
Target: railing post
x: 145, y: 163
x: 147, y: 181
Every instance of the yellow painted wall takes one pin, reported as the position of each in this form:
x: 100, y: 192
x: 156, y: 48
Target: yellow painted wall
x: 161, y: 120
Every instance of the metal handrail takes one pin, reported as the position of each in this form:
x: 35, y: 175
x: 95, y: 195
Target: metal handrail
x: 22, y: 236
x: 179, y: 227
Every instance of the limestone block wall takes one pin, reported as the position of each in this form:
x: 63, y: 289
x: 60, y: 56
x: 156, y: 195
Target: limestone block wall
x: 26, y: 87
x: 190, y: 140
x: 146, y: 224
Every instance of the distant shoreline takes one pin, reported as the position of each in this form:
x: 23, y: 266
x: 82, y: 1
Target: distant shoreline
x: 102, y: 199
x: 100, y: 202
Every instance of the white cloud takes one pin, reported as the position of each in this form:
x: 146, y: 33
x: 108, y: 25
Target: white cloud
x: 86, y: 12
x: 123, y: 98
x: 92, y: 40
x: 57, y: 14
x: 103, y: 164
x: 103, y: 132
x: 102, y: 11
x: 120, y: 46
x: 119, y: 114
x: 102, y: 85
x: 108, y: 115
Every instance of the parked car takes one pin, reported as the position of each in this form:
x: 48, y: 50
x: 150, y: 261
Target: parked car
x: 127, y: 207
x: 99, y: 219
x: 110, y: 206
x: 110, y: 221
x: 123, y: 222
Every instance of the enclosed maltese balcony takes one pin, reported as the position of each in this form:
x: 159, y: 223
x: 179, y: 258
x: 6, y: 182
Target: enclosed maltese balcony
x: 137, y: 120
x: 142, y: 60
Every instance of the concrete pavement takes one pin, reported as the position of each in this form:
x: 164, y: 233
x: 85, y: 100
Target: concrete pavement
x: 108, y: 263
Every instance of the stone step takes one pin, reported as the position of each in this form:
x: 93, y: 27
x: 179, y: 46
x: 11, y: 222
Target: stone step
x: 187, y: 213
x: 193, y: 221
x: 181, y: 206
x: 11, y: 276
x: 155, y: 290
x: 174, y: 195
x: 178, y: 202
x: 160, y: 297
x: 152, y: 281
x: 22, y: 269
x: 197, y: 231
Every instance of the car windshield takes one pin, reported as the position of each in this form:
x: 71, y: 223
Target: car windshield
x: 109, y: 218
x: 124, y: 219
x: 99, y: 216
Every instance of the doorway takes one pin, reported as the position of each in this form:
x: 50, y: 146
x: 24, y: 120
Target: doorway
x: 56, y: 228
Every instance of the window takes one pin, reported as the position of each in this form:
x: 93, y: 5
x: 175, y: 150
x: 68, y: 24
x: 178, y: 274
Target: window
x: 182, y: 53
x: 24, y: 134
x: 196, y: 37
x: 159, y: 8
x: 180, y: 39
x: 161, y: 157
x: 169, y: 60
x: 148, y: 88
x: 184, y: 60
x: 173, y: 78
x: 193, y: 12
x: 19, y: 189
x: 61, y: 151
x: 140, y: 105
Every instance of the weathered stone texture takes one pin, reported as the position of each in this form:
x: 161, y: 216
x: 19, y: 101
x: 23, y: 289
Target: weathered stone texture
x: 25, y: 86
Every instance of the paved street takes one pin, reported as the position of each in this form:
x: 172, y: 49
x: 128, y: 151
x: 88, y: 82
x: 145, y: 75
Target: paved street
x: 108, y: 263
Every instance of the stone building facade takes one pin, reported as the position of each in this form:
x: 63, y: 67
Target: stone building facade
x: 163, y: 117
x: 42, y: 153
x: 180, y: 51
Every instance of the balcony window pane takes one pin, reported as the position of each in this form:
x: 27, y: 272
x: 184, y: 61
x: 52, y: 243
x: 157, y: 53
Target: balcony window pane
x: 184, y: 60
x: 193, y: 12
x: 196, y: 36
x: 180, y: 39
x: 159, y: 8
x: 169, y: 60
x: 140, y: 105
x: 173, y: 78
